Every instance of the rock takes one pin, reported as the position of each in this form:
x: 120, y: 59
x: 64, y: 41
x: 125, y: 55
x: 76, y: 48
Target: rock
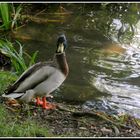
x: 93, y: 127
x: 106, y: 131
x: 82, y: 128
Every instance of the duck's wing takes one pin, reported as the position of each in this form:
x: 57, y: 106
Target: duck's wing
x: 26, y: 74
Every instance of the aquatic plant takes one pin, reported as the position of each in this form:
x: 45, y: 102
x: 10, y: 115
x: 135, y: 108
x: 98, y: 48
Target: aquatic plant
x: 17, y: 57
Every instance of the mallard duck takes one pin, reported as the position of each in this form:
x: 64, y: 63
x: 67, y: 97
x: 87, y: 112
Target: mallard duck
x: 42, y: 78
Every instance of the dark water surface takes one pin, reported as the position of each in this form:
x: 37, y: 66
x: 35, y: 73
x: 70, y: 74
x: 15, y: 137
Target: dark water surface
x: 104, y: 71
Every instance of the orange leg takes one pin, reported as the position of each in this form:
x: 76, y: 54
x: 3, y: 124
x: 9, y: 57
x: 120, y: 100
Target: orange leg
x: 38, y: 101
x: 47, y: 105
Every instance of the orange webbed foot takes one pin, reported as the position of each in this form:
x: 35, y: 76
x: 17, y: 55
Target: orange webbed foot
x: 47, y: 105
x: 38, y: 101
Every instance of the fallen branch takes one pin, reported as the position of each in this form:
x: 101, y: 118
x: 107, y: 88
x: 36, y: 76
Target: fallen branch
x: 91, y: 113
x: 39, y: 19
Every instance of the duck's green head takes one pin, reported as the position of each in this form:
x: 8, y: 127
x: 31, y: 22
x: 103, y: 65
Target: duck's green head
x: 61, y: 44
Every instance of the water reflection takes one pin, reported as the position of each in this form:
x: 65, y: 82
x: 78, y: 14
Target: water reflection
x: 103, y: 59
x: 119, y: 77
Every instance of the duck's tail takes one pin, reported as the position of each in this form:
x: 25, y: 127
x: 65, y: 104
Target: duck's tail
x: 14, y: 95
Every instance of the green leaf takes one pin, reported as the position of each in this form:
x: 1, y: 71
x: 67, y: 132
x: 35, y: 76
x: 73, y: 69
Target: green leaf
x: 4, y: 9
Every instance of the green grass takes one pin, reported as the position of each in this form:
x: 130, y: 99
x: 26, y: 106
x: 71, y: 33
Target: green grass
x: 6, y: 78
x: 14, y: 126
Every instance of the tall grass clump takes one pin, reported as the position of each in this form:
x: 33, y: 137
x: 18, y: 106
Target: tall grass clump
x: 9, y: 15
x: 17, y: 57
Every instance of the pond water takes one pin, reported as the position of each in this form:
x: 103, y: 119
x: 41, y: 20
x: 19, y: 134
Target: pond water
x: 104, y: 71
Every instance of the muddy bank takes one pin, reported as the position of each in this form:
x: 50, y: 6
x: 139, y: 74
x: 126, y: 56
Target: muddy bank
x: 72, y: 121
